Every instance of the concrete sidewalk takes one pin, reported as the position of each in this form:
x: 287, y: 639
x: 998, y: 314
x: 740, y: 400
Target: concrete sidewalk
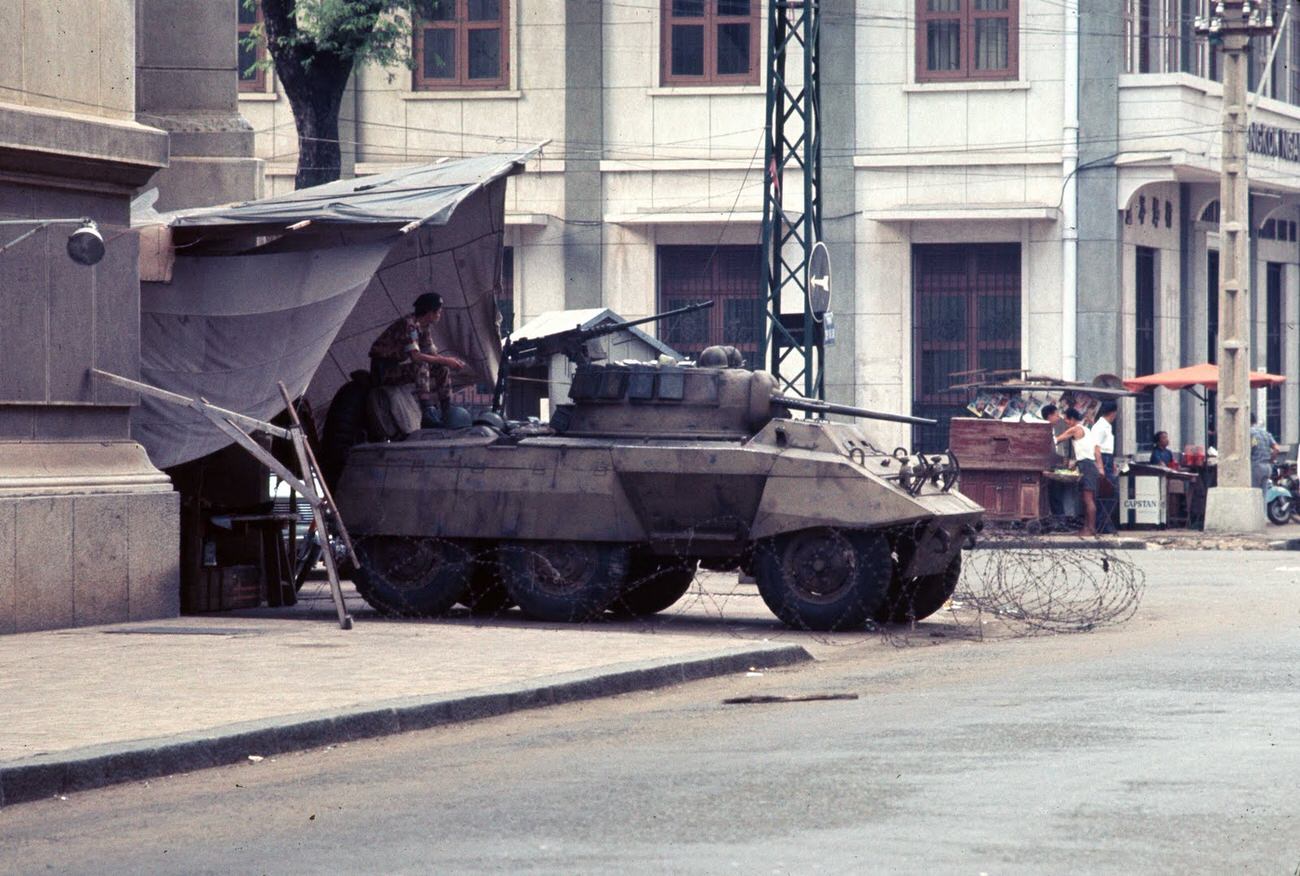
x: 98, y: 705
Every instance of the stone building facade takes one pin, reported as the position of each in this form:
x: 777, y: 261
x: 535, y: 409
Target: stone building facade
x: 87, y: 525
x: 88, y: 93
x: 1060, y: 213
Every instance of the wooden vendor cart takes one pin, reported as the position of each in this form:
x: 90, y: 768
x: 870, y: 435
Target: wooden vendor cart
x: 1006, y: 451
x: 1002, y: 464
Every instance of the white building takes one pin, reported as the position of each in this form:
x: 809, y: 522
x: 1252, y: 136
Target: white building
x: 1019, y: 184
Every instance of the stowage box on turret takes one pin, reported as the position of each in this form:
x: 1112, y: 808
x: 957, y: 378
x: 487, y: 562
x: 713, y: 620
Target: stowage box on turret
x: 651, y: 472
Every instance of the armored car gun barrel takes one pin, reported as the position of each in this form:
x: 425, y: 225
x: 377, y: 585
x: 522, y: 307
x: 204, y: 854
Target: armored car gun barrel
x: 814, y: 406
x: 650, y: 472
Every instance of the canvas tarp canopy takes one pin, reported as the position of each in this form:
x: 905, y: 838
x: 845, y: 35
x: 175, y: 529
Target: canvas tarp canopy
x: 296, y: 287
x: 428, y: 194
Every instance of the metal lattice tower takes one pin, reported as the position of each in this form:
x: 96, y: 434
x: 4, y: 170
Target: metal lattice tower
x: 793, y: 340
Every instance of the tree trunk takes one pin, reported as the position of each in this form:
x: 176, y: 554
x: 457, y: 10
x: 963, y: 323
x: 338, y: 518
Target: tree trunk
x: 314, y: 80
x: 319, y: 156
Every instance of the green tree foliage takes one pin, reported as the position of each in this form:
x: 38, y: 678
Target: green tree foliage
x: 314, y: 45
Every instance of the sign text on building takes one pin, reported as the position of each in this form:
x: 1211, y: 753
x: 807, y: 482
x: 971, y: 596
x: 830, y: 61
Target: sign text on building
x: 1270, y: 140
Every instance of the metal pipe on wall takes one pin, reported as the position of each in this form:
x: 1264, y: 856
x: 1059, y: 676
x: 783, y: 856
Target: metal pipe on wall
x: 1069, y: 200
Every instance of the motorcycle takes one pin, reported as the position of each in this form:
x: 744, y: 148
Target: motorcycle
x: 1282, y: 495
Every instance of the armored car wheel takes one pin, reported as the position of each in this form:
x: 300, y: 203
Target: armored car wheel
x: 563, y: 580
x: 410, y: 577
x: 653, y: 585
x: 344, y: 427
x: 486, y: 594
x: 914, y: 599
x: 824, y: 579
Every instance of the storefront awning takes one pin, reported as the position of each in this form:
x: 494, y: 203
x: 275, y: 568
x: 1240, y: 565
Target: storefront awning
x: 1205, y: 374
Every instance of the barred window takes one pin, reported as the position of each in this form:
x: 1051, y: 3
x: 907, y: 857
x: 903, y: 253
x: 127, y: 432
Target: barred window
x: 966, y: 322
x: 729, y: 275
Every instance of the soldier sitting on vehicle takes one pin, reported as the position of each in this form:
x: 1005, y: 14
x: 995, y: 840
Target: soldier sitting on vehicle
x: 405, y: 355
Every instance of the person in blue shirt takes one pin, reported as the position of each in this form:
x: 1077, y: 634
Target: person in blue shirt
x: 1263, y: 450
x: 1161, y: 454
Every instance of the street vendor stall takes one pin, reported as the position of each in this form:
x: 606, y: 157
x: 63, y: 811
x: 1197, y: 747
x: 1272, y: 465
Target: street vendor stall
x: 1184, y: 483
x: 1155, y: 496
x: 1008, y: 457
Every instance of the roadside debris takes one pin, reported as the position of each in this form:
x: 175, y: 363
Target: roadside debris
x: 760, y: 699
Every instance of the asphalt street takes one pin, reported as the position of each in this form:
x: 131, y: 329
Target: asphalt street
x: 1168, y: 744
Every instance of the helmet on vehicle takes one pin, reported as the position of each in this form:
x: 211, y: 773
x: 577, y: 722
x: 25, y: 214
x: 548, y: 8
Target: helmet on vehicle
x: 457, y: 418
x: 490, y: 418
x: 713, y: 357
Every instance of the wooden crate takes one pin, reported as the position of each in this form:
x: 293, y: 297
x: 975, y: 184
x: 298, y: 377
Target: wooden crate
x: 221, y: 588
x: 1001, y: 444
x: 1002, y: 462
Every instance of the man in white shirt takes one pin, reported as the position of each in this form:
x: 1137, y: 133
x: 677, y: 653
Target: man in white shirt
x: 1103, y: 433
x: 1087, y: 457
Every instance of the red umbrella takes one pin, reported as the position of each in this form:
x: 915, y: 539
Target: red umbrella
x: 1205, y: 374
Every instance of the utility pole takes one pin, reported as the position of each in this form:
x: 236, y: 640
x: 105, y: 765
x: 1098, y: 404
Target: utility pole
x: 1233, y: 506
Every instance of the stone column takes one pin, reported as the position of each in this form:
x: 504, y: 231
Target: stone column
x: 1100, y: 281
x: 188, y: 85
x: 838, y: 59
x: 584, y: 131
x: 88, y: 527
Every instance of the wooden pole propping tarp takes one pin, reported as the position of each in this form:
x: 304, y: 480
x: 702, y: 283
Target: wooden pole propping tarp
x: 323, y: 510
x: 233, y: 424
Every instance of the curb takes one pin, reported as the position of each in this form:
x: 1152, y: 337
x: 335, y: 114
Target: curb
x: 1073, y: 543
x: 96, y: 766
x: 1130, y: 544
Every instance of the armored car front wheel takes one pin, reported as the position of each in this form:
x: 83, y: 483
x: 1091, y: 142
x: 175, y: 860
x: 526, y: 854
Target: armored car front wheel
x: 563, y: 580
x: 410, y: 577
x: 825, y: 578
x: 914, y: 599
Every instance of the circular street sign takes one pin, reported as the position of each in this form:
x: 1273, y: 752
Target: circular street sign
x: 819, y: 280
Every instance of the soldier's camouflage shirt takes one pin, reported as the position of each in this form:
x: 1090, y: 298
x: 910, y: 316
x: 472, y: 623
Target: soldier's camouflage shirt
x: 394, y: 348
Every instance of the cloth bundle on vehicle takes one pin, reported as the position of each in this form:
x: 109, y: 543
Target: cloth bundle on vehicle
x: 392, y: 412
